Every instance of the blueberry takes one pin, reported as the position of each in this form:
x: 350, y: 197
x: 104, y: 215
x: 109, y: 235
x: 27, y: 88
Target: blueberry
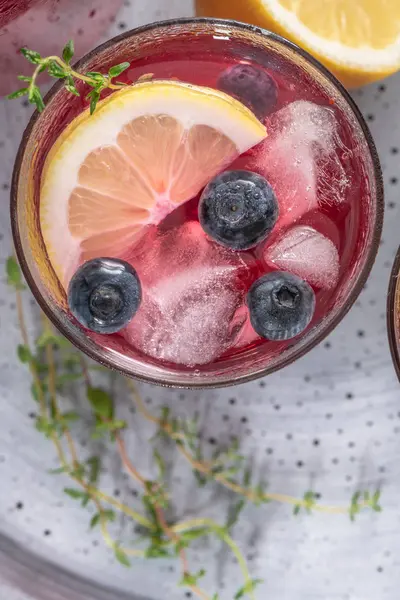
x: 252, y: 86
x: 281, y: 305
x: 238, y: 209
x: 104, y: 294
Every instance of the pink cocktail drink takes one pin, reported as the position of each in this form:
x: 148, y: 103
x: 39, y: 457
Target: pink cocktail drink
x: 204, y: 314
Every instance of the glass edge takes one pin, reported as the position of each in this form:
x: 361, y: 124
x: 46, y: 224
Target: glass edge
x: 394, y: 342
x: 330, y: 324
x: 17, y: 565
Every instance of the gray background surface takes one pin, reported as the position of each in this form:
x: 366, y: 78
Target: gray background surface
x: 331, y: 421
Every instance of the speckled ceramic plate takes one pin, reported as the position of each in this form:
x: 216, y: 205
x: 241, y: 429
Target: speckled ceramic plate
x: 330, y: 421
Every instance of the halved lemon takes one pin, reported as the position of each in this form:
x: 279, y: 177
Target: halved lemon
x: 146, y: 149
x: 358, y: 40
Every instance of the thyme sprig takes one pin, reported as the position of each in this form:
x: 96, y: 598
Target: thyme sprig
x: 61, y: 68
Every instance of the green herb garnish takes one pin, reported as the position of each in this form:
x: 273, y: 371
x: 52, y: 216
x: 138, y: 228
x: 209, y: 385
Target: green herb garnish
x: 60, y: 68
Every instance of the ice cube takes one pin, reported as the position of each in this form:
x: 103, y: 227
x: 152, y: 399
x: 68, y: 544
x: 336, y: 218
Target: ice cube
x: 300, y: 158
x: 163, y: 254
x: 247, y: 335
x: 306, y: 253
x: 190, y: 313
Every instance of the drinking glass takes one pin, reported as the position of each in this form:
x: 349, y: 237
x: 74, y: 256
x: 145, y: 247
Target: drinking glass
x: 185, y: 37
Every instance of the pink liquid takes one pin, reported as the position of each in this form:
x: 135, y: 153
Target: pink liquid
x: 342, y: 220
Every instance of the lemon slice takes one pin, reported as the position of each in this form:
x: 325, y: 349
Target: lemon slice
x: 146, y: 149
x: 359, y: 40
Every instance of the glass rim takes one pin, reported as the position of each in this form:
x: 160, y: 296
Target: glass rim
x: 392, y: 328
x: 332, y: 319
x: 18, y: 563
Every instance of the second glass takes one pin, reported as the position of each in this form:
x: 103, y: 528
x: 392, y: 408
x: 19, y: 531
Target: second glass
x: 393, y: 313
